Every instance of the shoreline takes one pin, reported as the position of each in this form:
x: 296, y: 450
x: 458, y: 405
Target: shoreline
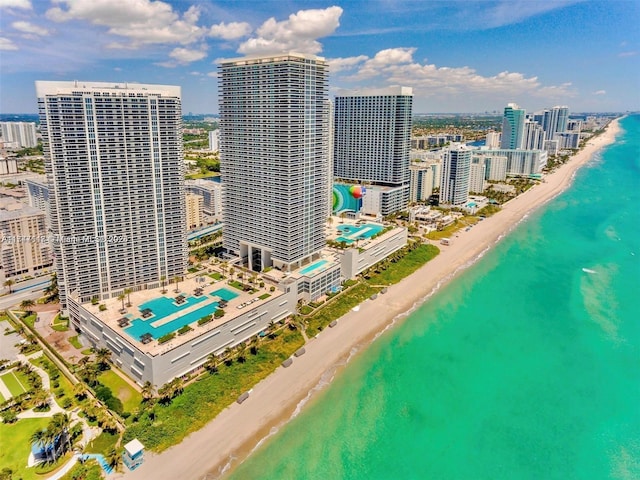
x: 238, y: 430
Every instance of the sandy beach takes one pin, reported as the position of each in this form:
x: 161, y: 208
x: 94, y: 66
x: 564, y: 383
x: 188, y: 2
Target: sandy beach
x: 230, y: 437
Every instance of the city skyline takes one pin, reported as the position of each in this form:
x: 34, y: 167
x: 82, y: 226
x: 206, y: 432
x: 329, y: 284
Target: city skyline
x: 457, y: 56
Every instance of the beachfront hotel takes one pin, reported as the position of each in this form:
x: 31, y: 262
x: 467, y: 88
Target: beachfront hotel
x: 113, y: 158
x: 456, y: 166
x: 18, y: 134
x: 513, y: 127
x: 274, y: 133
x: 372, y: 142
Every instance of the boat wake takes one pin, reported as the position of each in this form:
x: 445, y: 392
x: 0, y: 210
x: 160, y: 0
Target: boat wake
x: 588, y: 270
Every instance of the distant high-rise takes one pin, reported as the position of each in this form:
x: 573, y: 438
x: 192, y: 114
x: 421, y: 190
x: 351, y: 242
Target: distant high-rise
x: 553, y: 121
x: 534, y: 136
x: 19, y: 134
x: 274, y: 158
x: 456, y: 166
x: 372, y: 142
x: 513, y: 127
x: 113, y: 157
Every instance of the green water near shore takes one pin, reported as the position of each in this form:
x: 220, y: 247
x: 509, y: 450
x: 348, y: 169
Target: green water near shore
x: 525, y: 367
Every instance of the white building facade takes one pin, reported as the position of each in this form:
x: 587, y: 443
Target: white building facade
x: 274, y: 158
x: 113, y: 157
x: 19, y: 134
x: 456, y: 165
x: 372, y: 142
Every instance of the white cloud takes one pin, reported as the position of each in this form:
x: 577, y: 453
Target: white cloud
x: 627, y: 54
x: 600, y: 92
x: 186, y: 55
x: 395, y: 66
x: 346, y: 63
x: 230, y: 31
x: 6, y: 44
x: 24, y: 4
x: 213, y: 74
x: 30, y: 28
x: 140, y: 21
x: 299, y: 32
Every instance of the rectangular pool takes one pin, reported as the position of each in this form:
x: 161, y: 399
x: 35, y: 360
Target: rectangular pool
x: 163, y: 307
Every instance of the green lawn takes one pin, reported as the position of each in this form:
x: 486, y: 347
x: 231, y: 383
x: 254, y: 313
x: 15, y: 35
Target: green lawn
x: 216, y: 276
x: 264, y: 296
x: 89, y: 470
x: 60, y: 325
x: 30, y: 320
x: 103, y: 443
x: 15, y: 386
x: 395, y: 272
x: 129, y: 396
x: 237, y: 284
x: 2, y: 399
x: 15, y: 446
x: 203, y: 400
x: 450, y: 230
x: 75, y: 342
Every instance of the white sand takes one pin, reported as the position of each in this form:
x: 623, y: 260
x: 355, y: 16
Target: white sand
x: 233, y: 433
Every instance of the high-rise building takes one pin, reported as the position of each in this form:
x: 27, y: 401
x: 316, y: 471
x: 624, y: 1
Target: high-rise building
x: 211, y: 193
x: 493, y: 140
x: 113, y: 158
x: 214, y: 140
x: 513, y: 126
x: 553, y: 120
x: 274, y: 158
x: 425, y: 176
x: 495, y: 165
x: 19, y: 134
x: 24, y: 249
x: 194, y: 210
x: 454, y: 184
x: 534, y: 136
x: 477, y: 175
x: 372, y: 141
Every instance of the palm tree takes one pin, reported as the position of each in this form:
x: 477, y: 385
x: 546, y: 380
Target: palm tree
x: 113, y: 459
x: 177, y: 386
x: 26, y: 306
x: 40, y: 437
x: 127, y: 292
x: 80, y: 390
x: 121, y: 297
x: 242, y: 348
x: 9, y: 283
x: 102, y: 357
x: 40, y: 399
x: 61, y: 423
x: 176, y: 279
x: 162, y: 280
x: 212, y: 363
x: 108, y: 423
x: 147, y: 391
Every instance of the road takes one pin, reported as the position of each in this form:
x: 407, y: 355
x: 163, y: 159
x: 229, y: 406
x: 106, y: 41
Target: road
x: 28, y: 290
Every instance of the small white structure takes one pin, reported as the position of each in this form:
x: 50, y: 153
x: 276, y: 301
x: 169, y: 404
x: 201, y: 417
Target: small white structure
x: 133, y: 455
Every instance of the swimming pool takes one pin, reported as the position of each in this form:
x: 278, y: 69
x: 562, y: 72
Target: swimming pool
x: 163, y: 307
x: 100, y: 459
x: 351, y: 233
x: 313, y: 267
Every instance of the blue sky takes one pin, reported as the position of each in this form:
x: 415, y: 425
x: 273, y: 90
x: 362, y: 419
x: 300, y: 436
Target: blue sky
x: 459, y: 56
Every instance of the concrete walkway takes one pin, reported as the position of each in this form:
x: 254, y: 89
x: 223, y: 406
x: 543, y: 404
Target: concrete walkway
x: 46, y: 385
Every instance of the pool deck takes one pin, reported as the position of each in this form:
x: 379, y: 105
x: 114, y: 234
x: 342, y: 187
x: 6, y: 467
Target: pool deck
x: 111, y: 316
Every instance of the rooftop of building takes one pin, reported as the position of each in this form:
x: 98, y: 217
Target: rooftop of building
x: 270, y: 57
x: 67, y: 87
x: 154, y: 314
x: 376, y: 92
x: 12, y: 210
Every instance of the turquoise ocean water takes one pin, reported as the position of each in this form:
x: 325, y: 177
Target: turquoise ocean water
x: 525, y: 367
